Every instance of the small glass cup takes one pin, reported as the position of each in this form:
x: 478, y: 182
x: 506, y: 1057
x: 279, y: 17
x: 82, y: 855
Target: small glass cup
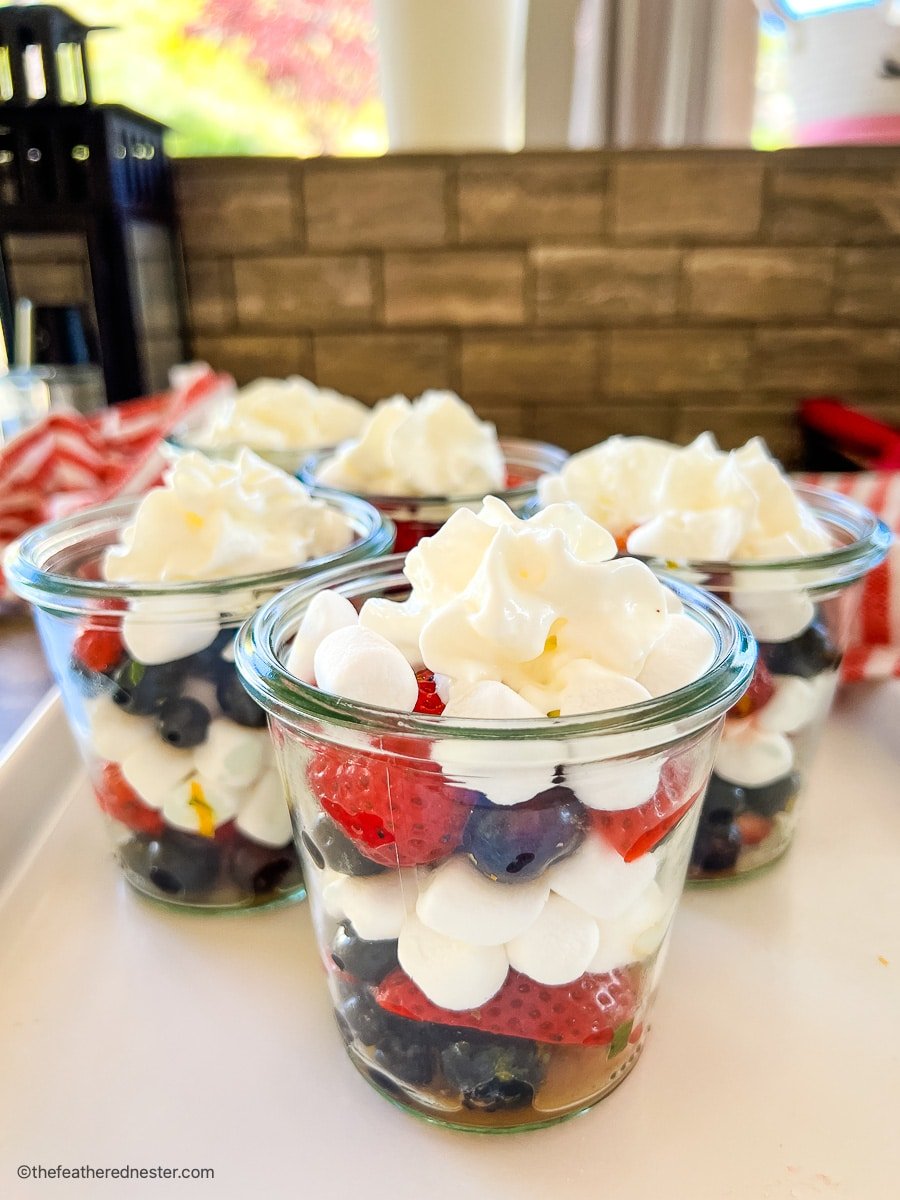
x: 176, y: 750
x: 417, y: 517
x: 186, y: 437
x: 801, y: 612
x: 525, y: 872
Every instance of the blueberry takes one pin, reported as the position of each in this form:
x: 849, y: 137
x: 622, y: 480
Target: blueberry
x: 774, y: 797
x: 500, y: 1075
x: 368, y: 961
x: 718, y: 842
x: 182, y: 722
x: 235, y: 702
x: 182, y: 865
x: 261, y: 870
x: 516, y: 844
x: 407, y: 1057
x: 807, y: 655
x: 327, y: 845
x: 140, y: 689
x: 358, y: 1013
x: 723, y: 797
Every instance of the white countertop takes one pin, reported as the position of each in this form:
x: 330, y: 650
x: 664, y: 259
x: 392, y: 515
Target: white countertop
x: 129, y: 1035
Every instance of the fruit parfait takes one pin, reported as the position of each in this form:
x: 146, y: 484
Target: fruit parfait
x: 281, y: 420
x: 137, y: 604
x: 419, y: 461
x: 789, y: 559
x: 494, y: 750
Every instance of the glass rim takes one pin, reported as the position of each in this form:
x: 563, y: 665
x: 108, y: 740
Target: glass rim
x: 871, y: 541
x: 516, y: 452
x: 24, y: 560
x: 284, y: 696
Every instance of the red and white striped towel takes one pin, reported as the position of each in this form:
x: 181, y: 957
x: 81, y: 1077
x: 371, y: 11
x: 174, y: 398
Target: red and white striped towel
x: 873, y: 650
x: 68, y: 461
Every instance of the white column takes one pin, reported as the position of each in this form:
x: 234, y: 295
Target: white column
x: 452, y: 73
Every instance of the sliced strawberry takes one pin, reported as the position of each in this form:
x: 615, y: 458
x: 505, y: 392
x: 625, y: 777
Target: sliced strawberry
x: 758, y: 694
x: 754, y: 828
x: 98, y: 649
x: 584, y: 1013
x: 429, y: 702
x: 635, y: 831
x: 622, y: 539
x: 118, y: 799
x: 397, y: 813
x: 514, y: 480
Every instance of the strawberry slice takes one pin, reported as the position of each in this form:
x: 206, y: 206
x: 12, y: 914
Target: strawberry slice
x: 758, y: 694
x: 635, y: 831
x: 429, y: 702
x: 98, y: 649
x: 396, y: 813
x: 118, y: 799
x: 586, y: 1012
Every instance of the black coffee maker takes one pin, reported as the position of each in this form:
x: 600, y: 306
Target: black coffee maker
x: 87, y: 224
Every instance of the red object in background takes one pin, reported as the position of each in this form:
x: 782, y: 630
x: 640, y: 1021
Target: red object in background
x: 871, y: 443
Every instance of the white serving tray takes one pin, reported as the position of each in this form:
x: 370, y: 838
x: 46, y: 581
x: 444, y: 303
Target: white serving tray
x: 130, y: 1035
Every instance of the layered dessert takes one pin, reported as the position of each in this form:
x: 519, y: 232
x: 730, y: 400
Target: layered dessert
x: 496, y: 803
x: 420, y: 460
x: 734, y: 522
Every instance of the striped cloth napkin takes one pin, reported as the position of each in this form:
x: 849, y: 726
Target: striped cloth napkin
x: 874, y: 643
x: 68, y: 461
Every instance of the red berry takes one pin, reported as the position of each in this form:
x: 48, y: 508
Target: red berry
x: 635, y: 831
x: 98, y: 649
x: 758, y: 694
x: 397, y: 813
x: 429, y: 702
x: 410, y: 533
x: 514, y: 480
x: 754, y: 828
x: 622, y: 539
x: 586, y: 1012
x: 118, y: 799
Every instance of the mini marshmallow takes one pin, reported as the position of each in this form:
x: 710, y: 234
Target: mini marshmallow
x: 558, y: 947
x: 232, y: 755
x: 376, y: 905
x: 775, y: 616
x: 115, y: 734
x: 614, y: 786
x: 456, y: 975
x: 751, y: 757
x: 361, y: 665
x: 190, y: 805
x: 598, y: 880
x: 794, y: 704
x: 265, y: 816
x: 634, y: 934
x: 459, y: 902
x: 155, y: 769
x: 489, y: 700
x: 590, y: 687
x: 327, y: 612
x: 160, y: 630
x: 683, y: 653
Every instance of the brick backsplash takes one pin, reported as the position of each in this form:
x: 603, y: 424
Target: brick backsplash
x: 567, y: 296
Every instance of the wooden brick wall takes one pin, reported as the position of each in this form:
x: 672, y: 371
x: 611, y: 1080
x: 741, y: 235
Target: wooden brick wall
x: 567, y: 296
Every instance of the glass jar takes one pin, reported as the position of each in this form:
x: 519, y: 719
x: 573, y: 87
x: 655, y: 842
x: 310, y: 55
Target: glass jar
x: 801, y: 612
x: 176, y: 750
x: 187, y: 437
x: 491, y: 899
x: 416, y: 517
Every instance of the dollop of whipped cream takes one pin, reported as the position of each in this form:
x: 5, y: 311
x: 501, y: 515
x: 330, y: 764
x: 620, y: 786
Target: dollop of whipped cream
x: 694, y: 502
x: 215, y: 520
x: 516, y: 618
x: 280, y: 414
x: 432, y: 446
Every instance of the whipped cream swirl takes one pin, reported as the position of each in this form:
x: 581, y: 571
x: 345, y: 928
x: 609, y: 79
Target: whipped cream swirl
x: 697, y: 502
x: 432, y: 446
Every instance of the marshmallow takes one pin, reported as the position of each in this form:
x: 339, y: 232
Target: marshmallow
x: 490, y: 700
x: 115, y: 734
x: 794, y: 704
x: 614, y: 786
x: 376, y: 905
x: 459, y: 902
x: 155, y: 769
x: 558, y: 947
x: 683, y: 653
x: 198, y: 809
x: 361, y: 665
x: 232, y: 755
x: 751, y: 757
x: 598, y: 879
x: 456, y: 975
x: 327, y: 612
x: 265, y: 817
x: 775, y: 616
x: 634, y: 935
x: 161, y: 630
